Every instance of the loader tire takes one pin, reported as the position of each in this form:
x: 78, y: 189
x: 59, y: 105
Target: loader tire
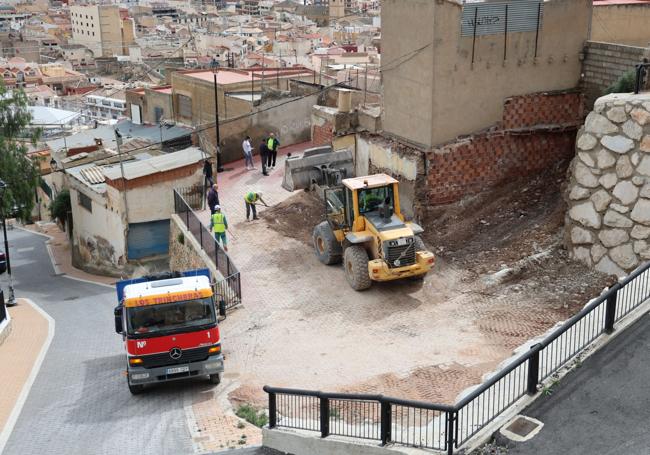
x: 328, y: 250
x: 355, y: 261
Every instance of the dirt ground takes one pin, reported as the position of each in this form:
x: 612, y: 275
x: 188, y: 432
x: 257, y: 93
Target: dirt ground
x: 501, y: 278
x: 504, y: 244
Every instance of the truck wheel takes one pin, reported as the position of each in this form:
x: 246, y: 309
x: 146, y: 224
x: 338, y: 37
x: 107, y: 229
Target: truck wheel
x: 215, y: 378
x: 328, y: 250
x: 136, y: 389
x: 356, y: 267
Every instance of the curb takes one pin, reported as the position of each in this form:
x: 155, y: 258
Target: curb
x: 24, y: 393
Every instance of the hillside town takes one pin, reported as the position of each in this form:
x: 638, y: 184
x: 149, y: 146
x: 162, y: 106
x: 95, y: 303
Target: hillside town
x: 324, y: 226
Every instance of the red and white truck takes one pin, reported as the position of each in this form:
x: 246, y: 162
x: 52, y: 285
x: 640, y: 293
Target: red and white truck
x: 170, y: 328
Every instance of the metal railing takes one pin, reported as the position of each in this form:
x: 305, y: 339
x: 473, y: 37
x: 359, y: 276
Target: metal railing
x: 443, y: 427
x: 640, y: 78
x: 228, y: 288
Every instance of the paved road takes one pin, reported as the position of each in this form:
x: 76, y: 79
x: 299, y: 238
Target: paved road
x: 79, y: 403
x: 603, y: 407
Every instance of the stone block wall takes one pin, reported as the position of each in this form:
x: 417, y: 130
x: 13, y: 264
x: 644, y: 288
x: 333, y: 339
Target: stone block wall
x: 608, y: 221
x: 185, y: 253
x: 604, y: 63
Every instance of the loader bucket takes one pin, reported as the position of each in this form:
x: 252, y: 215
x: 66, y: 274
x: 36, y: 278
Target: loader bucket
x: 302, y: 172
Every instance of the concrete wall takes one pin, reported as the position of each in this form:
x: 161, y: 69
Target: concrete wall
x: 621, y: 24
x: 152, y: 199
x: 604, y: 64
x: 408, y: 87
x: 290, y: 122
x: 154, y: 99
x: 99, y: 238
x: 435, y: 93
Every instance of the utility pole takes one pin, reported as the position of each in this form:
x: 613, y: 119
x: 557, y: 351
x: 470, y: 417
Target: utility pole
x: 118, y: 141
x: 252, y: 87
x: 365, y: 86
x: 216, y: 124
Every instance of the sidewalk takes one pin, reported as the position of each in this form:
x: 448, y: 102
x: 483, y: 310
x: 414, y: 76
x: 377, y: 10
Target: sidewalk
x: 18, y: 355
x: 603, y: 407
x: 59, y: 249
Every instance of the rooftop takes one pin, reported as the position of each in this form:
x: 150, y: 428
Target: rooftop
x: 157, y: 164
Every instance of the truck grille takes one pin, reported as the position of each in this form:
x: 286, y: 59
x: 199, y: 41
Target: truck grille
x: 405, y: 253
x: 163, y: 359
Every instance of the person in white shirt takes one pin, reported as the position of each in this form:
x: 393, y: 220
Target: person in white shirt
x: 248, y: 153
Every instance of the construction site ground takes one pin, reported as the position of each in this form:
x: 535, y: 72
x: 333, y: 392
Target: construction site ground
x: 501, y: 278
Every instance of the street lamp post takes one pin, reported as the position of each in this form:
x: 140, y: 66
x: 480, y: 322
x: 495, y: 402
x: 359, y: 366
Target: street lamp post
x: 12, y: 298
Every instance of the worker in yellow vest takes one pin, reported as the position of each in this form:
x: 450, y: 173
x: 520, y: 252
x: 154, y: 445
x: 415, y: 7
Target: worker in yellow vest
x: 251, y: 198
x: 218, y: 225
x: 272, y: 145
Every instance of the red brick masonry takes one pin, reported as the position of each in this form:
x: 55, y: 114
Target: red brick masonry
x: 541, y: 131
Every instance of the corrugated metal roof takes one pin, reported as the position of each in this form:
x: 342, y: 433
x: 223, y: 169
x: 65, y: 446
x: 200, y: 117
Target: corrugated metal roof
x: 93, y: 175
x: 490, y: 18
x: 162, y: 163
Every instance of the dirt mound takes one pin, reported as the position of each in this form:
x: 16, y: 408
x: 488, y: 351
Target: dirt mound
x: 297, y: 216
x: 509, y: 240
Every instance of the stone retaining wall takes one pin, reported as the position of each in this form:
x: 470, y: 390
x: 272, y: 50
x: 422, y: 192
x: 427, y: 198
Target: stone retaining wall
x: 608, y: 221
x: 185, y: 253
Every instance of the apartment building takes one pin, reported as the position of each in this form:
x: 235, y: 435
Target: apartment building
x: 101, y: 29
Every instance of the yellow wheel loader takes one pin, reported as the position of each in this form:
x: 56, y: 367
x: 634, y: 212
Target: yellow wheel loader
x: 364, y: 226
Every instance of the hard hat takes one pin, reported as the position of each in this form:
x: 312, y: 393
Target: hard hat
x: 217, y: 207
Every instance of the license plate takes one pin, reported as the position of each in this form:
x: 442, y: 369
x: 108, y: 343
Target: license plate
x: 184, y: 369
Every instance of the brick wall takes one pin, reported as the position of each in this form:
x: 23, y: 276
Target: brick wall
x: 322, y: 134
x: 552, y: 108
x: 474, y: 165
x: 604, y: 63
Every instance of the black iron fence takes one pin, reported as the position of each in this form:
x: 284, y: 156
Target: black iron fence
x: 442, y: 427
x: 3, y: 308
x: 228, y: 288
x: 641, y: 77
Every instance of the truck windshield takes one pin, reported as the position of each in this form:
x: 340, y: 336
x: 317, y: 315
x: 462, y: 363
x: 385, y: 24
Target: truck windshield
x: 170, y: 317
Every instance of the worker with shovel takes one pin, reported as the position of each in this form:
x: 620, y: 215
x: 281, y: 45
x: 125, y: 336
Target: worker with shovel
x: 251, y: 198
x: 218, y: 225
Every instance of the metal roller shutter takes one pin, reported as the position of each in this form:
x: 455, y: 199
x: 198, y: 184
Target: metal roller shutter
x: 148, y: 239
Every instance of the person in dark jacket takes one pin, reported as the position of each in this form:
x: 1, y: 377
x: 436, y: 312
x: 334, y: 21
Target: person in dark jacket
x: 213, y: 198
x: 272, y: 144
x: 207, y: 171
x: 264, y: 155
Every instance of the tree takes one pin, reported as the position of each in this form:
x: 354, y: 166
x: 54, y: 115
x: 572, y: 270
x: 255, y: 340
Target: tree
x: 16, y: 169
x: 60, y: 206
x: 624, y: 84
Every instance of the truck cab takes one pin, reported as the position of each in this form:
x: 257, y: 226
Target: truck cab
x: 170, y: 328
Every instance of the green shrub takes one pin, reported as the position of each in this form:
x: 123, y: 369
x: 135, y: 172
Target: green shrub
x: 624, y: 84
x: 60, y: 206
x: 181, y: 238
x: 250, y: 415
